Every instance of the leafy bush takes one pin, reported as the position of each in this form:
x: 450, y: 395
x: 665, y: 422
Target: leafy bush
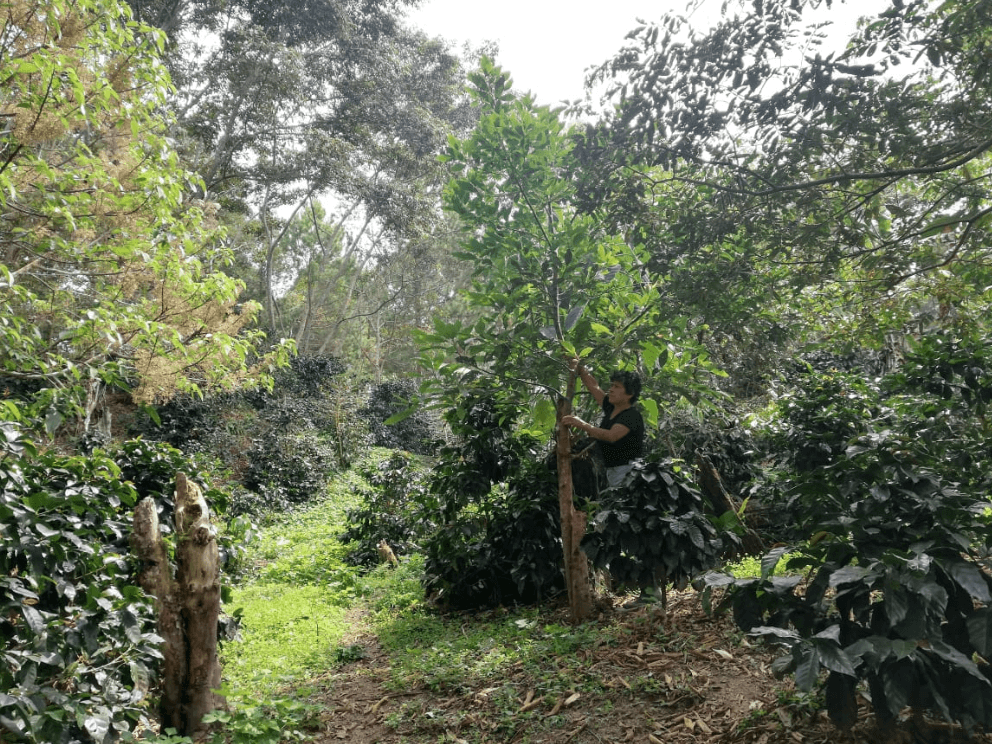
x: 504, y: 551
x: 307, y: 400
x: 496, y: 501
x: 819, y: 417
x: 76, y: 637
x: 288, y: 470
x: 721, y: 439
x: 416, y: 433
x: 897, y: 599
x: 654, y: 527
x: 391, y: 510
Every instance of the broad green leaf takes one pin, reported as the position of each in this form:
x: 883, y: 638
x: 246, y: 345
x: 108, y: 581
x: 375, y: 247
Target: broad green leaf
x: 971, y: 579
x: 652, y: 415
x: 808, y: 669
x: 402, y: 415
x: 544, y: 413
x: 573, y: 317
x: 980, y: 630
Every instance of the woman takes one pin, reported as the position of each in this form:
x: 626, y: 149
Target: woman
x: 621, y: 432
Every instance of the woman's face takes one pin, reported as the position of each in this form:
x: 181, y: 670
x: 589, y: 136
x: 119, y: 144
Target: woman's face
x: 617, y: 394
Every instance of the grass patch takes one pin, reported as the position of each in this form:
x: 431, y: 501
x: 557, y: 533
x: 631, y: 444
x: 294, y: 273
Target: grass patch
x: 294, y: 603
x: 284, y: 628
x: 453, y: 653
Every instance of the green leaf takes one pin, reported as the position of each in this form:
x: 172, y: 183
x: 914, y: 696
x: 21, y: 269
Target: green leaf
x: 971, y: 579
x: 573, y: 317
x: 770, y: 560
x: 402, y: 415
x: 980, y: 630
x: 808, y: 670
x: 544, y: 414
x: 833, y: 657
x: 651, y: 411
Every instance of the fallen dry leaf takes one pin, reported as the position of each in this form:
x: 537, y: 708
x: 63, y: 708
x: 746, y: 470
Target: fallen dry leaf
x: 571, y: 699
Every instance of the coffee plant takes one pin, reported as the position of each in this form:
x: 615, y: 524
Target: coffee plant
x: 653, y: 530
x: 288, y: 470
x: 503, y: 550
x: 495, y: 500
x: 897, y: 600
x: 391, y: 510
x: 76, y: 636
x: 416, y: 432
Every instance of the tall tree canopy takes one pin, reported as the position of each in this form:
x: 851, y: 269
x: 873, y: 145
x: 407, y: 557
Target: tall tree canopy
x: 283, y: 104
x: 105, y: 263
x: 867, y: 165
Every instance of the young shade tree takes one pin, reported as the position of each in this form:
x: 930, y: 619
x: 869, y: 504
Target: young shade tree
x: 107, y: 276
x: 547, y: 282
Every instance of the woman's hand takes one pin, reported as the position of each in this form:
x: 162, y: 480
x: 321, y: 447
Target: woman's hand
x: 574, y: 421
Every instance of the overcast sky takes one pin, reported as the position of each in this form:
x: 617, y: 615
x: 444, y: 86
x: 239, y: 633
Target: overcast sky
x: 546, y: 45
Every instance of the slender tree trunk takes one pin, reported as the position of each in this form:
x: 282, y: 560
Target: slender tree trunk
x: 188, y: 605
x: 573, y: 523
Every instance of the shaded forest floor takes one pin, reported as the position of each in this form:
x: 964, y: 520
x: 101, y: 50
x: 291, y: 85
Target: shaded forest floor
x: 682, y: 678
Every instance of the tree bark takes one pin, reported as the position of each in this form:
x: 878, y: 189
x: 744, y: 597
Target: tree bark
x: 722, y: 501
x: 573, y: 523
x: 188, y: 605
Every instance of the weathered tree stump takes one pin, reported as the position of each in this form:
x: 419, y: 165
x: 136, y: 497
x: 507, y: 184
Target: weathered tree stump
x: 188, y: 604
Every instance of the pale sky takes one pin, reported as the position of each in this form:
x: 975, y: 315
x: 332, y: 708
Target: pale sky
x: 547, y: 45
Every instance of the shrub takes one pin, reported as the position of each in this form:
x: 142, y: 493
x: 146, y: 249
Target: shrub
x: 416, y: 433
x: 76, y: 636
x: 896, y: 601
x: 391, y: 510
x: 502, y: 552
x: 653, y: 529
x: 496, y: 501
x: 288, y: 470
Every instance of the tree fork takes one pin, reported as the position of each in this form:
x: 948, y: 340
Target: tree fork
x: 573, y: 523
x: 188, y: 605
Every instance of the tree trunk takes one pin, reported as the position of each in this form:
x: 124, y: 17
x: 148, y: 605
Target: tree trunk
x: 188, y: 605
x: 722, y: 501
x: 573, y: 523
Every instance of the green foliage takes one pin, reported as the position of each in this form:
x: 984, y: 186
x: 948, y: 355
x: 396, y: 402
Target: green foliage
x: 288, y: 470
x: 244, y: 720
x: 108, y: 275
x: 819, y: 416
x: 390, y: 511
x: 499, y: 543
x: 392, y: 424
x: 653, y: 530
x: 546, y: 278
x: 897, y: 599
x: 78, y: 645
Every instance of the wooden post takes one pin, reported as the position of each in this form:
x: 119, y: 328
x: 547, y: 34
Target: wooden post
x: 188, y: 605
x: 573, y: 523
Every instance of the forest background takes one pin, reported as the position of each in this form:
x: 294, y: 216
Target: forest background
x: 248, y: 240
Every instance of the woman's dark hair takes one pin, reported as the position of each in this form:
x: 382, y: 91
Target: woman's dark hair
x: 631, y: 383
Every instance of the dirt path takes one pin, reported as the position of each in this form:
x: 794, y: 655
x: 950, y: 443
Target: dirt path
x: 685, y: 678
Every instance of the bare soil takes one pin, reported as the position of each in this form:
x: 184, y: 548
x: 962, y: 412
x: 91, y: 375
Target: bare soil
x: 685, y: 677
